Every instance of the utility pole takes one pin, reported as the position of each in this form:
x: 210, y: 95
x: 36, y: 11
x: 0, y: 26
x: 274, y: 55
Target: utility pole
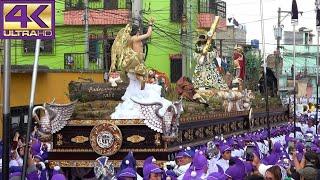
x: 86, y: 34
x: 137, y: 13
x: 278, y: 37
x: 318, y: 33
x: 265, y: 74
x: 278, y: 45
x: 6, y: 109
x: 31, y: 103
x: 184, y: 38
x: 189, y: 49
x: 220, y: 47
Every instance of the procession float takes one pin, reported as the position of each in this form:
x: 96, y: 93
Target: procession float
x: 139, y: 110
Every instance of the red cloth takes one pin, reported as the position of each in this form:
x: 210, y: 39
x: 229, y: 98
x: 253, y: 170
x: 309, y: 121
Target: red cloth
x: 238, y: 56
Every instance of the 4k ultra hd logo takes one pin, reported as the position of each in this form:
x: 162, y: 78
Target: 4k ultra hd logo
x: 27, y: 19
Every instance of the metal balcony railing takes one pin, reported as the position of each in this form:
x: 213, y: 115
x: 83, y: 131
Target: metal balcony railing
x: 98, y: 4
x: 308, y: 70
x: 76, y: 61
x: 216, y: 7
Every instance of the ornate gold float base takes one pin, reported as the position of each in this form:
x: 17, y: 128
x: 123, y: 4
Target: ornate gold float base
x: 72, y: 144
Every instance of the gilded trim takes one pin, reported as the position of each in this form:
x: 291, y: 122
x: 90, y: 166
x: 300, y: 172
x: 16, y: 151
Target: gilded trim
x: 79, y: 139
x: 106, y: 139
x: 183, y: 120
x: 71, y: 150
x: 135, y: 139
x: 121, y: 150
x: 90, y: 163
x: 119, y: 122
x: 59, y: 139
x: 157, y: 139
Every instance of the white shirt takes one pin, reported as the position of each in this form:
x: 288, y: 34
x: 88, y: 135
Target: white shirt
x: 236, y: 153
x: 203, y: 177
x: 212, y: 166
x: 263, y: 148
x: 139, y: 177
x: 224, y: 164
x: 263, y: 168
x: 180, y: 170
x: 312, y: 129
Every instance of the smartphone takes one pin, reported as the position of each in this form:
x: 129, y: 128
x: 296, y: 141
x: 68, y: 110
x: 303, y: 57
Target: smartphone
x: 249, y: 153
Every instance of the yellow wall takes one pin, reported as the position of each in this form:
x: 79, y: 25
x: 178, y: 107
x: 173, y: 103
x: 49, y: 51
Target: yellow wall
x: 49, y: 85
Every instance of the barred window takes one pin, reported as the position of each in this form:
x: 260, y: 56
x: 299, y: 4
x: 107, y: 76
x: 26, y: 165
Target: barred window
x: 97, y: 4
x: 110, y: 4
x: 175, y: 67
x: 46, y: 47
x: 176, y: 10
x: 94, y: 48
x: 216, y: 7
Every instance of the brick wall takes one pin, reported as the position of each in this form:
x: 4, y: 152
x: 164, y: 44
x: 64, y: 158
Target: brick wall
x: 97, y: 17
x: 205, y: 21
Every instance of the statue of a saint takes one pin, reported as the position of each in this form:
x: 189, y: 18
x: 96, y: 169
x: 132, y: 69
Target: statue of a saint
x: 206, y: 74
x: 239, y: 63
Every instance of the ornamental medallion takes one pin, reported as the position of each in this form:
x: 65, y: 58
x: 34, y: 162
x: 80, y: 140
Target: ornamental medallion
x: 106, y: 139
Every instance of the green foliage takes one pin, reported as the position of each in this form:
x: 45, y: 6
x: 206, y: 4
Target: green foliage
x: 253, y: 70
x: 171, y: 93
x: 216, y: 103
x: 259, y: 101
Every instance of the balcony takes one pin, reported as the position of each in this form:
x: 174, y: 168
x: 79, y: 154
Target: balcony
x: 207, y: 10
x: 76, y: 61
x: 101, y: 12
x: 97, y: 4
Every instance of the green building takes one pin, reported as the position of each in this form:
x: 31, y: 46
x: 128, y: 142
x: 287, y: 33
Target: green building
x: 106, y: 18
x: 305, y: 59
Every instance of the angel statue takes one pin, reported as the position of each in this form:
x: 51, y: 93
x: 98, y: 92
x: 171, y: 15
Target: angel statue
x: 53, y: 117
x: 127, y: 55
x: 206, y: 74
x: 127, y: 52
x: 168, y: 123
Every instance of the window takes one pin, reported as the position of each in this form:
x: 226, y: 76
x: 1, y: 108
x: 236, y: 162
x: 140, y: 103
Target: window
x: 107, y: 48
x: 79, y: 4
x: 73, y: 5
x: 94, y: 48
x: 46, y: 47
x: 221, y: 9
x: 176, y: 10
x: 124, y: 4
x: 110, y: 4
x: 206, y: 6
x: 306, y: 38
x: 175, y: 67
x: 216, y: 7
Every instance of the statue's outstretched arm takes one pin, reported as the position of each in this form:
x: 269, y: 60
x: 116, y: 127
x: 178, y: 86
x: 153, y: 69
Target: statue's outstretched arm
x: 144, y: 36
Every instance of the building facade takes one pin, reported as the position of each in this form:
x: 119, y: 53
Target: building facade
x: 106, y: 18
x: 230, y: 38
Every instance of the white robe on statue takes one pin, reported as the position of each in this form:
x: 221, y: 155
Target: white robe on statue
x: 129, y: 109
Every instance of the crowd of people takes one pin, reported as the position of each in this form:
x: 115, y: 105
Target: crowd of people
x: 242, y: 157
x: 38, y: 168
x: 294, y: 154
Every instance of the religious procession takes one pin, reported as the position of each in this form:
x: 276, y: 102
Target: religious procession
x: 159, y: 90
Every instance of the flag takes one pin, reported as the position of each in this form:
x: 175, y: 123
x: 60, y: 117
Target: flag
x: 318, y: 15
x: 294, y: 12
